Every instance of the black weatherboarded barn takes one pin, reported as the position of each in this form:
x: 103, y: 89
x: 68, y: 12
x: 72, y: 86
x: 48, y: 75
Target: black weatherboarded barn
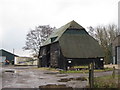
x: 70, y: 45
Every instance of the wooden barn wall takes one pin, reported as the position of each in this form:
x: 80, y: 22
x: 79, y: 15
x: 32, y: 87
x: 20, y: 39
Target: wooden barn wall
x: 42, y: 57
x: 51, y: 56
x: 85, y: 61
x: 54, y: 55
x: 62, y: 62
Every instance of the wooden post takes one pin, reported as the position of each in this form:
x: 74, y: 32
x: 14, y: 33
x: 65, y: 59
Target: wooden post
x: 113, y: 74
x: 91, y: 75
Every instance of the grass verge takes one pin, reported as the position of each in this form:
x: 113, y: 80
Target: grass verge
x: 106, y: 82
x: 86, y: 71
x: 72, y: 71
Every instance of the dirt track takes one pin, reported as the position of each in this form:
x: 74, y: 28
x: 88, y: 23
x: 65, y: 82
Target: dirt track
x: 29, y: 77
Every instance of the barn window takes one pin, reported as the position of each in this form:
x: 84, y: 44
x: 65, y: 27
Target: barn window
x: 53, y: 38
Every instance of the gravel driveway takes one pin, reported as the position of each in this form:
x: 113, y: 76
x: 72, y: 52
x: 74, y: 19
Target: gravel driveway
x: 29, y: 77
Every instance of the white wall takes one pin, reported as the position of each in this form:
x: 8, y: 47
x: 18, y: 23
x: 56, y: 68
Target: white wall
x: 24, y: 61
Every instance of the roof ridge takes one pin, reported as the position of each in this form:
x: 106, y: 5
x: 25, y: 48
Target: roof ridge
x: 8, y: 52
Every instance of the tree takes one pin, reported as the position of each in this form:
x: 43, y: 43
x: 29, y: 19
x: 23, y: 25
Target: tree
x: 105, y: 36
x: 35, y: 38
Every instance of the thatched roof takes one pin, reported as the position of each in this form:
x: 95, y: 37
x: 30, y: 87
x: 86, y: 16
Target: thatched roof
x: 75, y: 42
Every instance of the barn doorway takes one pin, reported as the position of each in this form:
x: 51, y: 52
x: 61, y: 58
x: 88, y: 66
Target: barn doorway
x: 48, y: 55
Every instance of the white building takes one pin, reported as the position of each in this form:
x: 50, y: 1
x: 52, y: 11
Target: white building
x: 25, y: 61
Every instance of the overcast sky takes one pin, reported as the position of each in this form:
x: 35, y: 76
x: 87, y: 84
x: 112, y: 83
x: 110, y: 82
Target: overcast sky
x: 17, y: 17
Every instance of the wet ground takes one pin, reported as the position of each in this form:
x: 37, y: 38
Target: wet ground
x: 31, y: 77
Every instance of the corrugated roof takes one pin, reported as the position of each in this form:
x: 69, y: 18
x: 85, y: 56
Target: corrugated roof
x: 2, y: 51
x: 58, y: 32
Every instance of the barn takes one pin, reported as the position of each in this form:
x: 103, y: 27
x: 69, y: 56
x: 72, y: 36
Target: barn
x: 70, y: 45
x: 5, y: 55
x: 116, y: 50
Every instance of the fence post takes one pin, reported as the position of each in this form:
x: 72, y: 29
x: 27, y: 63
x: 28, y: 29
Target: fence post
x: 91, y: 75
x: 113, y: 74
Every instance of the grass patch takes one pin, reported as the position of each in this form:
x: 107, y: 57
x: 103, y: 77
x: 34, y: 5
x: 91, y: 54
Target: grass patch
x: 45, y: 68
x: 103, y: 70
x: 106, y: 82
x: 80, y: 67
x: 87, y: 71
x: 73, y: 71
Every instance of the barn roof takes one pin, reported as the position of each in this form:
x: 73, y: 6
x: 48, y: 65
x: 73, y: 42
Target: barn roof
x: 80, y: 46
x: 4, y: 52
x: 75, y: 42
x: 58, y: 32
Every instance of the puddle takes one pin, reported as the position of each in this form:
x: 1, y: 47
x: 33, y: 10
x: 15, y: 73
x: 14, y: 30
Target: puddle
x: 64, y: 75
x: 64, y: 80
x: 21, y: 68
x: 11, y: 71
x: 55, y: 87
x: 40, y: 78
x: 51, y: 73
x: 81, y: 79
x: 69, y: 79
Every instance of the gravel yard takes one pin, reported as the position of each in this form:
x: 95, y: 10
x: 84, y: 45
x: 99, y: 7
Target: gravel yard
x: 32, y: 77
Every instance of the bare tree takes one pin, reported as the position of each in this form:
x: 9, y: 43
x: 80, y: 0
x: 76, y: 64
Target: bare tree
x: 35, y: 38
x: 105, y: 35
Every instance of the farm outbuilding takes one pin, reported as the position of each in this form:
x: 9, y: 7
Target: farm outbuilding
x: 116, y: 50
x: 25, y: 61
x: 70, y: 45
x: 5, y: 55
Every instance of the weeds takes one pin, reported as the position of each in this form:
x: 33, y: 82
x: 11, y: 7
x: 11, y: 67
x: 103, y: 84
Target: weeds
x: 106, y: 82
